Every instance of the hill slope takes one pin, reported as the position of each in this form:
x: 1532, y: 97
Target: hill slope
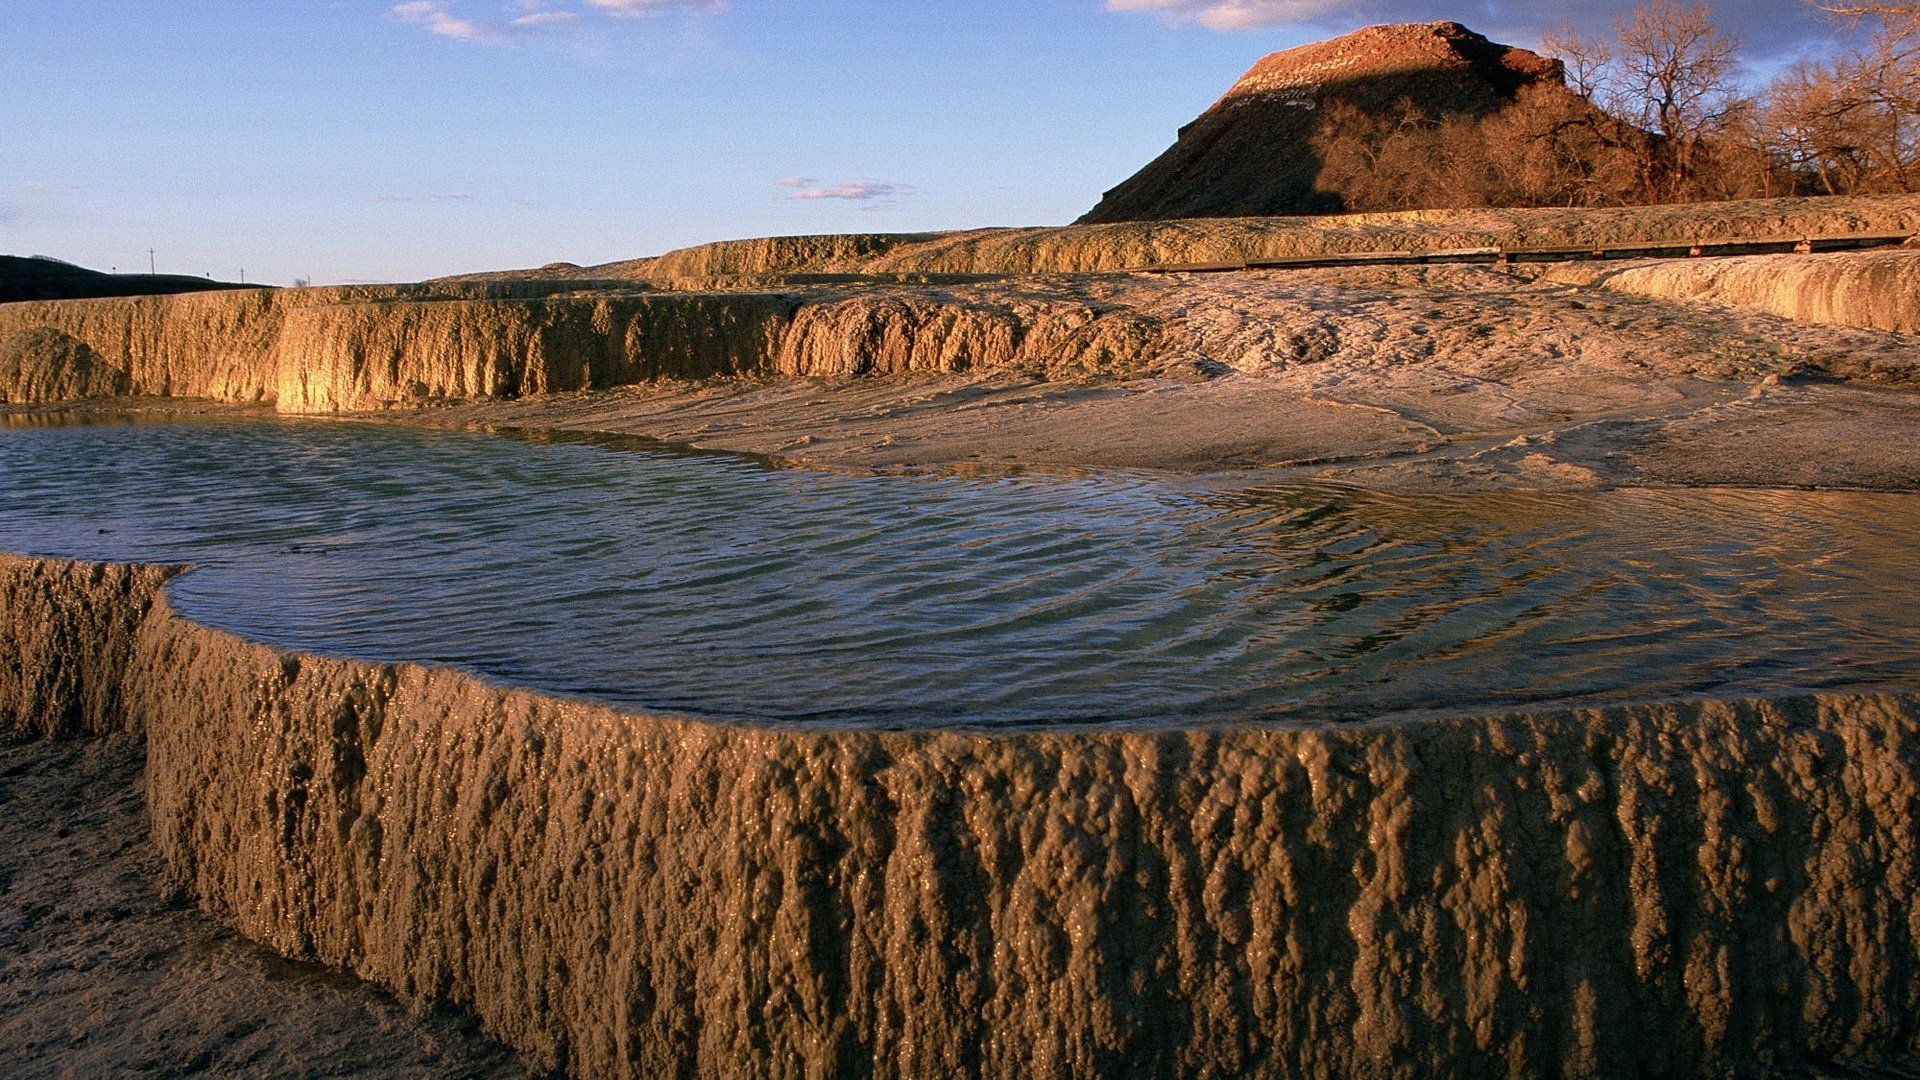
x: 50, y: 279
x: 1255, y: 152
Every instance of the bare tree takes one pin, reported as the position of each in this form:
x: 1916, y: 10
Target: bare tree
x: 1674, y: 78
x: 1588, y: 61
x: 1667, y: 78
x: 1852, y: 123
x: 1817, y: 129
x: 1875, y: 93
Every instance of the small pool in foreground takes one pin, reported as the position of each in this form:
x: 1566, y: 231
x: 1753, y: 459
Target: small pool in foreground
x: 726, y: 586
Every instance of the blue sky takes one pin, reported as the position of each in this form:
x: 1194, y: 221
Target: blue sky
x: 374, y: 141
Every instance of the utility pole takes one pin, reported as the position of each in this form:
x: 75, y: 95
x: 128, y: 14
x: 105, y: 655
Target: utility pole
x: 150, y: 270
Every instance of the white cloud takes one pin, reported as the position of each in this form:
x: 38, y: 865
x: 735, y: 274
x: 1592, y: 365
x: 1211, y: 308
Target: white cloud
x: 807, y: 189
x: 1236, y: 14
x: 438, y: 20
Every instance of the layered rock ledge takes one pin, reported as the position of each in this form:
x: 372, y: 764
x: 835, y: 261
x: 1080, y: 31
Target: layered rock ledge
x: 1695, y: 887
x: 1050, y: 304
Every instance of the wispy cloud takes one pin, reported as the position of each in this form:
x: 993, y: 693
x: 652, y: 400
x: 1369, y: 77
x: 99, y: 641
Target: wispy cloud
x: 1236, y: 14
x: 439, y: 20
x: 46, y: 185
x: 806, y: 188
x: 525, y: 17
x: 548, y: 18
x: 458, y: 196
x: 633, y: 9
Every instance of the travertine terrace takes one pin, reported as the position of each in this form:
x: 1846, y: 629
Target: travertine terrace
x: 1679, y: 888
x: 1052, y: 302
x: 1696, y: 887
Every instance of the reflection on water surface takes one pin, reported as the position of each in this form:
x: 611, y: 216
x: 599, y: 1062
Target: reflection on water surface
x: 723, y: 585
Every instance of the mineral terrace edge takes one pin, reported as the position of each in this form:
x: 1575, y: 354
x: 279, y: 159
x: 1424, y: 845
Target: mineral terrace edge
x: 1709, y: 888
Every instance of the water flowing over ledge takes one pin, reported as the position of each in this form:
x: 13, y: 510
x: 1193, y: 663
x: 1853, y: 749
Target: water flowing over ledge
x: 1699, y: 888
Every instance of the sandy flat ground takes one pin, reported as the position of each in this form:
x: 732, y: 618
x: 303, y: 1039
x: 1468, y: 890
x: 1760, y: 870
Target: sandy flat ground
x: 1443, y: 377
x: 100, y: 975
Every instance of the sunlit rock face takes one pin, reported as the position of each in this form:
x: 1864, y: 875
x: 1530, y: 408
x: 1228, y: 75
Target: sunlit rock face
x: 1693, y: 888
x: 1880, y: 290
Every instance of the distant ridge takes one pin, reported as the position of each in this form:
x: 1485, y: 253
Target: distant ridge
x: 40, y: 278
x: 1252, y: 154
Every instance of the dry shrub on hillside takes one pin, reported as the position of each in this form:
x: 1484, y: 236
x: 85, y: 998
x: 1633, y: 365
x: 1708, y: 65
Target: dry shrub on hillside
x: 1656, y: 119
x: 1542, y: 149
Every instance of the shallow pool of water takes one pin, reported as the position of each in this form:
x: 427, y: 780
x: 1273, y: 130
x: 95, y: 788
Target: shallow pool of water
x: 722, y: 585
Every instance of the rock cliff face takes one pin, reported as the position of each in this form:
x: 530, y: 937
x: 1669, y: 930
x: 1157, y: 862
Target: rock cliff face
x: 1253, y: 152
x: 1692, y: 888
x: 773, y: 254
x: 212, y: 345
x: 328, y: 357
x: 66, y: 635
x: 375, y: 355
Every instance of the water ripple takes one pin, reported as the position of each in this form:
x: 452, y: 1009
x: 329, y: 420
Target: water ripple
x: 726, y: 586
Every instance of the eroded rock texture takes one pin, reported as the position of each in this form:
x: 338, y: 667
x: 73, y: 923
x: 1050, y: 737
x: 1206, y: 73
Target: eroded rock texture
x: 1707, y: 888
x: 43, y: 364
x: 1116, y: 246
x: 66, y: 635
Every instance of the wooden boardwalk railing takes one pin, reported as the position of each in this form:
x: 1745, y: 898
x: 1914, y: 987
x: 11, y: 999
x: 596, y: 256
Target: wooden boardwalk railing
x: 1499, y: 256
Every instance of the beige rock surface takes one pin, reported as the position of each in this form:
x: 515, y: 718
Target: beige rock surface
x: 1697, y: 888
x: 1448, y: 364
x: 1875, y: 289
x: 1445, y: 377
x: 1435, y: 375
